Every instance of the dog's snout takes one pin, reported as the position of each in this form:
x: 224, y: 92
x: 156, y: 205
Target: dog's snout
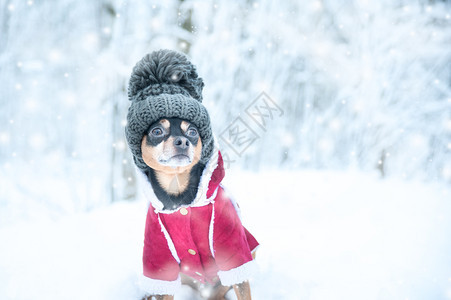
x: 181, y: 142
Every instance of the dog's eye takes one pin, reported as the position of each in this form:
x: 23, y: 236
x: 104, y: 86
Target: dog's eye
x: 157, y: 131
x: 191, y: 132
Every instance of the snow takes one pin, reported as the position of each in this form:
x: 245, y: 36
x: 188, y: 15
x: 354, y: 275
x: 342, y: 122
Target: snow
x: 336, y: 235
x: 362, y: 85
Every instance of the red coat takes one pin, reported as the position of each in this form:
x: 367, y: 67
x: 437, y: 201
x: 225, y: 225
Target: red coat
x: 204, y: 240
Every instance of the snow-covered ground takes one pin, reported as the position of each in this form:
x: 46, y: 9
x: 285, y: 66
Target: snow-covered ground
x: 323, y: 235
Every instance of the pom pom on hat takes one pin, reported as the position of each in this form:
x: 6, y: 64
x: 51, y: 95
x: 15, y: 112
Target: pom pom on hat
x: 164, y: 71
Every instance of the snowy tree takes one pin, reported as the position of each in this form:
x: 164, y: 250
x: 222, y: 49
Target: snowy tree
x: 362, y: 84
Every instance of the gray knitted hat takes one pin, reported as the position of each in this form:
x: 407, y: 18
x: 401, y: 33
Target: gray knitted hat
x: 164, y: 84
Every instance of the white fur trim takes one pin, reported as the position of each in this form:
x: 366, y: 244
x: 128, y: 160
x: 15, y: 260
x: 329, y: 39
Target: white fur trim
x: 237, y: 275
x: 168, y: 238
x: 201, y: 196
x: 210, y: 231
x: 213, y: 196
x: 151, y: 286
x: 255, y: 249
x: 147, y: 190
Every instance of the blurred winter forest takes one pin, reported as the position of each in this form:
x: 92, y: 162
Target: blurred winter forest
x: 362, y: 84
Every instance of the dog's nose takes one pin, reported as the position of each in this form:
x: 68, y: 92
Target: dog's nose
x: 181, y: 142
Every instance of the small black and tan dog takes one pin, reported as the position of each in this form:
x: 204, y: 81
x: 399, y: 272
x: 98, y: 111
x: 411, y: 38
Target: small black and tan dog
x: 172, y: 149
x: 193, y: 232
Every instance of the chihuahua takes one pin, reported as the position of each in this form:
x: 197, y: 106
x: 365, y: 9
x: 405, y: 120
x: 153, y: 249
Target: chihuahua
x: 172, y: 149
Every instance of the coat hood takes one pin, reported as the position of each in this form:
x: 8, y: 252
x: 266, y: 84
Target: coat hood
x: 210, y: 180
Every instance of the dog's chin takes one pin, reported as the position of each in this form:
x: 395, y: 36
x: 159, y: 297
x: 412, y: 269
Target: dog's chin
x: 176, y: 161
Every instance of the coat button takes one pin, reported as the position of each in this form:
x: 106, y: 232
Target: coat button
x: 183, y: 211
x: 191, y: 251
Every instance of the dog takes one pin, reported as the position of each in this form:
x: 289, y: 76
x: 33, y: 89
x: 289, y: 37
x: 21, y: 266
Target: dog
x: 172, y: 149
x: 193, y: 233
